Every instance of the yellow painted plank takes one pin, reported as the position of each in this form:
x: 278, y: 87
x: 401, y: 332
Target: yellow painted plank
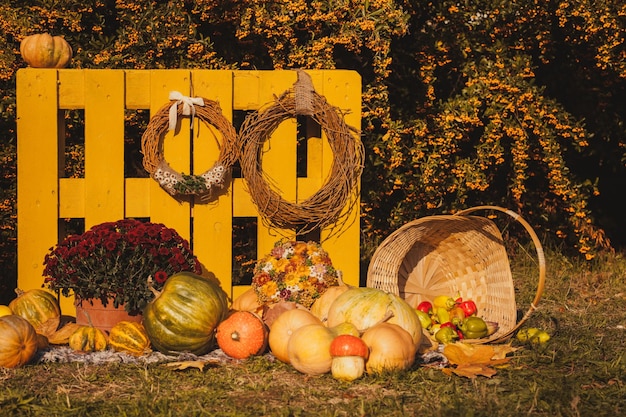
x: 317, y: 169
x: 104, y: 146
x: 71, y: 89
x: 173, y: 212
x: 278, y: 156
x: 254, y: 89
x: 137, y: 89
x: 137, y: 201
x: 342, y: 89
x: 212, y: 231
x: 37, y: 169
x: 71, y: 198
x: 239, y: 289
x: 246, y: 90
x: 243, y: 206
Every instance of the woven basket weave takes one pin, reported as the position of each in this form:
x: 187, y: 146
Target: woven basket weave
x: 450, y: 254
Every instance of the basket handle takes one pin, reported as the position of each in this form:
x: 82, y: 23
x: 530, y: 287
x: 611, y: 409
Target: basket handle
x: 540, y: 257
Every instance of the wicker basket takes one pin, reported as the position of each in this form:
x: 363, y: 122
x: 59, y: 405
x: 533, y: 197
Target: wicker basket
x: 450, y: 254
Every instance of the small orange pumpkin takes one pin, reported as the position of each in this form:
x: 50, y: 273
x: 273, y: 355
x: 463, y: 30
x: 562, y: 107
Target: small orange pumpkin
x: 18, y: 341
x: 309, y: 349
x: 45, y: 51
x: 242, y: 334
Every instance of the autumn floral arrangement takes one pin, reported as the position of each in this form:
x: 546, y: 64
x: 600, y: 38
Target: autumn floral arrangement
x: 112, y: 262
x: 294, y: 271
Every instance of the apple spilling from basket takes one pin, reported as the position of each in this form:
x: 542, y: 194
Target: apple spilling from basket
x: 449, y: 319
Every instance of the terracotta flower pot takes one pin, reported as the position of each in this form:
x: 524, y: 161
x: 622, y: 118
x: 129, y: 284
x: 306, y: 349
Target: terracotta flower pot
x: 92, y: 312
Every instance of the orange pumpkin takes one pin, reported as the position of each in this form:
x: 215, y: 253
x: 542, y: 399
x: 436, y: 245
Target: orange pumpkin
x: 45, y: 51
x: 242, y: 334
x: 37, y: 306
x: 18, y: 341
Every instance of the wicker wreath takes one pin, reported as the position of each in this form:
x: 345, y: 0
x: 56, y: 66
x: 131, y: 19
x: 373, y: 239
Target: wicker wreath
x: 175, y: 183
x: 328, y: 205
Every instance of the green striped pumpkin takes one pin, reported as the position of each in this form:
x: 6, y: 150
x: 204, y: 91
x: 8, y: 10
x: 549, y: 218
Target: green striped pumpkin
x: 184, y: 315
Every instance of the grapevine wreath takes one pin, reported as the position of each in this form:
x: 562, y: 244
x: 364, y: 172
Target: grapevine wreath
x: 327, y: 205
x: 165, y: 119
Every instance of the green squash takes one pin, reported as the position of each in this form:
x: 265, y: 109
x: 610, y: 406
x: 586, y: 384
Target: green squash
x: 184, y: 315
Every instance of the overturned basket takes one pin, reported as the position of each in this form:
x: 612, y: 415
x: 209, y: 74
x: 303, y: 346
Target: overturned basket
x: 450, y: 254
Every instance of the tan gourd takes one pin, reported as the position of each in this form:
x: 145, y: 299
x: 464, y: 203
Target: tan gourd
x: 283, y: 328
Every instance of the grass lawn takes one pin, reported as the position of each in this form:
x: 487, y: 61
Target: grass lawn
x: 581, y: 371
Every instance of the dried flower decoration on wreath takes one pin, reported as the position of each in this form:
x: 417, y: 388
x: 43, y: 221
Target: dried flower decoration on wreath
x: 294, y: 271
x: 166, y: 119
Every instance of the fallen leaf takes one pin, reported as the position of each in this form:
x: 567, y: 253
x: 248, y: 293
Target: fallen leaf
x: 181, y: 366
x: 464, y: 353
x: 470, y: 360
x: 471, y: 371
x: 500, y: 351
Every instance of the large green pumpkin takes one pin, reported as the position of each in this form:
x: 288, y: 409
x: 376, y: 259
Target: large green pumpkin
x: 365, y: 307
x: 184, y: 315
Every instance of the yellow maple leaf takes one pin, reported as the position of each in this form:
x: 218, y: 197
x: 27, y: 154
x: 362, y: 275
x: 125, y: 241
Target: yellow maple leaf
x: 471, y: 371
x: 500, y: 351
x: 464, y: 353
x: 470, y: 360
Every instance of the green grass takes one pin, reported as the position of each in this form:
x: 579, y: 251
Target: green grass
x: 580, y: 372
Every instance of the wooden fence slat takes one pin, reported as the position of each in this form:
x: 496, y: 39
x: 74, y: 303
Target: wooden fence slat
x: 343, y: 90
x: 212, y: 221
x: 104, y: 146
x: 37, y: 172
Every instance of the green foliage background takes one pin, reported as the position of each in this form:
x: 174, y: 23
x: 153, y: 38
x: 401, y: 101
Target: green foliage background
x: 517, y: 104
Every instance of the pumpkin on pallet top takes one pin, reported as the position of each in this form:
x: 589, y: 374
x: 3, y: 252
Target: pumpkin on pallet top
x: 43, y: 50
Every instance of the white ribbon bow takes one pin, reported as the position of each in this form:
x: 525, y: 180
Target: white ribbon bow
x: 188, y: 107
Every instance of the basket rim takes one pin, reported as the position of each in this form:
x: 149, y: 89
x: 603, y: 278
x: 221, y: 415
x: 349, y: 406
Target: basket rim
x: 541, y: 259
